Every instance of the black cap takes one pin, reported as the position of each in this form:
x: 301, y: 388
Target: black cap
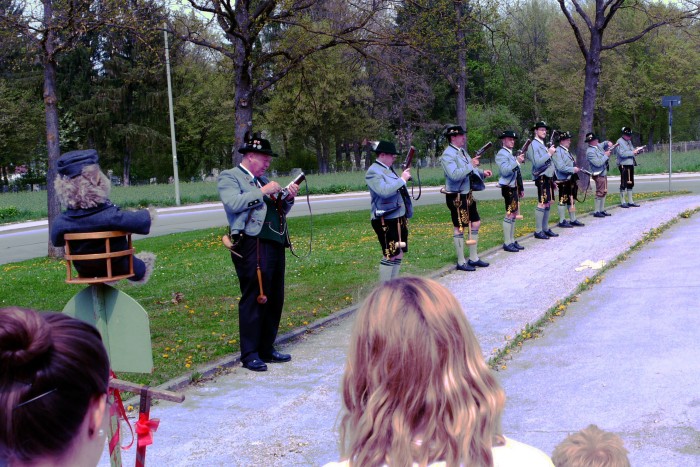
x: 71, y: 163
x: 540, y: 124
x: 626, y: 131
x: 259, y: 145
x: 453, y: 130
x: 385, y: 147
x: 508, y: 134
x: 590, y: 137
x: 565, y: 135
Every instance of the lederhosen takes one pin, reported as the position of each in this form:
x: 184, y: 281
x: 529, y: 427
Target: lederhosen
x: 390, y: 232
x: 462, y: 208
x: 568, y: 188
x: 544, y: 186
x: 510, y: 198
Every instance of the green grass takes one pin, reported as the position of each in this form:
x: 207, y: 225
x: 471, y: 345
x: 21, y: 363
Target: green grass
x: 17, y: 207
x: 202, y: 326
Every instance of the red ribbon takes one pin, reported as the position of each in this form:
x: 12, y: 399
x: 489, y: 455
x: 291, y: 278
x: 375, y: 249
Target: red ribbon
x: 145, y: 428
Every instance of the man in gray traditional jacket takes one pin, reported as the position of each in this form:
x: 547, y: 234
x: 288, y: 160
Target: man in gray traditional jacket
x: 510, y: 181
x: 458, y: 167
x: 390, y: 208
x: 543, y: 175
x: 598, y: 160
x: 625, y: 152
x: 567, y: 175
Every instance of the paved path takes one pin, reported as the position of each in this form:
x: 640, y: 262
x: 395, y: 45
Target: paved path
x: 626, y: 356
x: 288, y: 415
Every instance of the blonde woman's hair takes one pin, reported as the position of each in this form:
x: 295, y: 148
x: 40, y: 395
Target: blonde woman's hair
x: 591, y: 447
x: 416, y: 387
x: 87, y: 190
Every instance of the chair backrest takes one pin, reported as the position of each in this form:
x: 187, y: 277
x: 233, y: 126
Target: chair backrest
x: 107, y: 256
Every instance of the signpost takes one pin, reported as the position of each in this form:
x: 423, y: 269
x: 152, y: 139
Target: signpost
x: 670, y: 101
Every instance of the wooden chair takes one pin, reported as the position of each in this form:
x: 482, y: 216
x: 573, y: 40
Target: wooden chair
x: 107, y: 256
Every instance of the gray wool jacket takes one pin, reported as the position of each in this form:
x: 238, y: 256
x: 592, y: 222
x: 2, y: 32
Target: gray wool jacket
x: 243, y: 201
x: 457, y: 166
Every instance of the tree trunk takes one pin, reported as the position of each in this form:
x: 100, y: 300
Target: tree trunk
x: 126, y: 172
x: 590, y: 92
x: 52, y: 125
x: 243, y: 114
x: 462, y: 77
x: 358, y: 155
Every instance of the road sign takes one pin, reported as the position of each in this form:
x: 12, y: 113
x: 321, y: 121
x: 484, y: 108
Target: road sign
x: 671, y: 101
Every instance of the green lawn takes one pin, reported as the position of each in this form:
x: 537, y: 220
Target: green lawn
x: 15, y: 207
x: 204, y: 324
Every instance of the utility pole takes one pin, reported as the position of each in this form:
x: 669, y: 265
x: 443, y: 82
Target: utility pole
x: 670, y: 101
x: 173, y: 144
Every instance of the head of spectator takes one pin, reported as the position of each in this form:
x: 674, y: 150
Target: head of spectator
x: 416, y: 388
x: 80, y: 183
x: 54, y: 375
x: 591, y: 447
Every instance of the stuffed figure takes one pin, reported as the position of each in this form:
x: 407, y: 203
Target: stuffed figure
x: 84, y: 190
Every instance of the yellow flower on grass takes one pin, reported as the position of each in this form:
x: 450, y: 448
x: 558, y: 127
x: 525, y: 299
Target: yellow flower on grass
x: 187, y: 365
x: 165, y: 355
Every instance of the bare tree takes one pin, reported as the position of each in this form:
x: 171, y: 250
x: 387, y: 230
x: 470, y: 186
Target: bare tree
x: 51, y: 30
x: 657, y: 15
x: 266, y: 39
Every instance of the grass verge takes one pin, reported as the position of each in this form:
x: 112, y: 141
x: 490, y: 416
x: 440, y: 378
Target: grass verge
x: 535, y: 330
x: 193, y: 295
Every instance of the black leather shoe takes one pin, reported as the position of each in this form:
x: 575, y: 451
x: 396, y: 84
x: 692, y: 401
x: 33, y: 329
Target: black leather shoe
x: 577, y: 223
x: 517, y: 245
x: 478, y: 263
x: 465, y: 267
x: 624, y: 205
x: 255, y: 365
x: 633, y: 205
x: 276, y: 357
x: 541, y: 236
x: 549, y: 233
x: 510, y: 248
x: 606, y: 213
x: 598, y: 214
x: 565, y: 225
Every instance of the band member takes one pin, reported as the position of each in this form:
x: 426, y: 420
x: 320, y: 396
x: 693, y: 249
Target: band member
x: 390, y: 208
x: 567, y: 175
x: 598, y: 160
x: 458, y: 166
x: 543, y: 175
x: 509, y: 171
x: 257, y: 241
x: 625, y: 152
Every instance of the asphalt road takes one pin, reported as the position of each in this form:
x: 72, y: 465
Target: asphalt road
x: 28, y: 240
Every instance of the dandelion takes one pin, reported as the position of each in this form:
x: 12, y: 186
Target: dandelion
x: 165, y: 355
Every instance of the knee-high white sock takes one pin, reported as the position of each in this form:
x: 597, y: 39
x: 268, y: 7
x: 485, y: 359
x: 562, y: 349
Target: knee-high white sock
x: 397, y: 267
x: 507, y: 222
x: 545, y: 219
x: 562, y: 212
x: 472, y: 248
x: 386, y: 268
x: 512, y: 231
x: 629, y: 195
x: 539, y: 215
x: 572, y: 213
x: 622, y: 197
x: 459, y: 247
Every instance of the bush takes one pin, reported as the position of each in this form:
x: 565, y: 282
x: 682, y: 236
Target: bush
x: 9, y: 213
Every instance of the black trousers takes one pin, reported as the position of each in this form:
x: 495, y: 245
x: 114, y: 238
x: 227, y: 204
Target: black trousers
x: 258, y: 323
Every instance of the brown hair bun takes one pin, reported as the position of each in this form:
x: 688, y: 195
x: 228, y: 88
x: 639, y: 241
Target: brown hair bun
x: 24, y: 338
